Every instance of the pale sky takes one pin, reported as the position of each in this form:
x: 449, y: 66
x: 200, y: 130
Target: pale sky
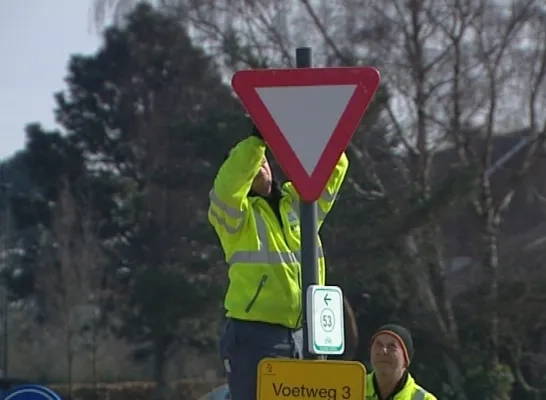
x: 37, y: 38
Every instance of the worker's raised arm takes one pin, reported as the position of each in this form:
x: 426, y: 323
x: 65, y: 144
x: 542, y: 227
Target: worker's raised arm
x: 328, y: 196
x: 228, y: 197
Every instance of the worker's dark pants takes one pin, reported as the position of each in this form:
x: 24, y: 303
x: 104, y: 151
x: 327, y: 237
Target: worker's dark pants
x: 243, y: 344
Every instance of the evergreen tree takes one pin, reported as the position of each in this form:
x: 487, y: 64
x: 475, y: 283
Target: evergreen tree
x: 147, y: 120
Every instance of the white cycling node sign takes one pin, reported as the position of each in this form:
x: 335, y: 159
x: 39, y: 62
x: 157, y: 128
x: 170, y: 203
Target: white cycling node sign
x: 325, y: 320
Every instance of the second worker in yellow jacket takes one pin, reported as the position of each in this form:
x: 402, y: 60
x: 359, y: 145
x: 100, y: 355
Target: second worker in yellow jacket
x: 257, y: 222
x: 391, y: 353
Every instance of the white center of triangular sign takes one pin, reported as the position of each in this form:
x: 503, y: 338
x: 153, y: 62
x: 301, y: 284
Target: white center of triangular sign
x: 307, y: 116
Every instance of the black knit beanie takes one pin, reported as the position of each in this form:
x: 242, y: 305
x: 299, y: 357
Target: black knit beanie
x: 402, y: 335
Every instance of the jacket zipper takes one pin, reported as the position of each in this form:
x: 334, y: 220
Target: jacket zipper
x: 258, y: 290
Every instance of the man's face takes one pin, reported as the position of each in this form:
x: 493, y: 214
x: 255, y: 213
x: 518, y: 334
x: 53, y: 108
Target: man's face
x: 263, y: 180
x: 387, y: 356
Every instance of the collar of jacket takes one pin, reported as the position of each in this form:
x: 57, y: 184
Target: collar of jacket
x: 373, y: 391
x: 274, y: 199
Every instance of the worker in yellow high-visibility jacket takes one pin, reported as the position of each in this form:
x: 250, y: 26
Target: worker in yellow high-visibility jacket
x: 257, y: 223
x: 391, y: 353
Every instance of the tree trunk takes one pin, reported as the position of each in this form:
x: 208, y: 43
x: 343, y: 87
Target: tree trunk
x: 491, y: 264
x: 69, y: 360
x: 94, y: 350
x: 160, y: 361
x: 94, y: 370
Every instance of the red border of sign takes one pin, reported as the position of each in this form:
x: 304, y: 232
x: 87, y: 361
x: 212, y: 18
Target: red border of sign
x: 367, y: 81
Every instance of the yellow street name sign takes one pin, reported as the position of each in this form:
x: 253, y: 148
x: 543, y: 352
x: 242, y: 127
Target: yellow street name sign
x: 310, y: 379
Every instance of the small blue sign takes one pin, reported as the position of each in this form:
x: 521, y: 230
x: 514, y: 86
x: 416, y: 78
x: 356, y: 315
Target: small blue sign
x: 31, y: 392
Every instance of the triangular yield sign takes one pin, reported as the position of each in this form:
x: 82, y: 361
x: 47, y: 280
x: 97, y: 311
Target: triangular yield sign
x: 307, y: 116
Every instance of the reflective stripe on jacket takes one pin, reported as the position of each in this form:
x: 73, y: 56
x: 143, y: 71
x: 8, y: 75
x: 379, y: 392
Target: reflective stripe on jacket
x: 410, y: 391
x: 264, y: 257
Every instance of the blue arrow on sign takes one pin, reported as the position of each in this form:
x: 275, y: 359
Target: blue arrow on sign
x: 326, y: 299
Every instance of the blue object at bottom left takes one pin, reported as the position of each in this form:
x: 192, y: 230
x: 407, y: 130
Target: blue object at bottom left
x: 220, y: 393
x: 31, y: 392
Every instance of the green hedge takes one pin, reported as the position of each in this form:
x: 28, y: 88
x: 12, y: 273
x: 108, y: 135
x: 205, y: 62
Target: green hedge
x: 184, y: 389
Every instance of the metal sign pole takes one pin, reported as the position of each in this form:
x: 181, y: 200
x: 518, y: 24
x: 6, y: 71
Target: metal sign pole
x: 309, y: 227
